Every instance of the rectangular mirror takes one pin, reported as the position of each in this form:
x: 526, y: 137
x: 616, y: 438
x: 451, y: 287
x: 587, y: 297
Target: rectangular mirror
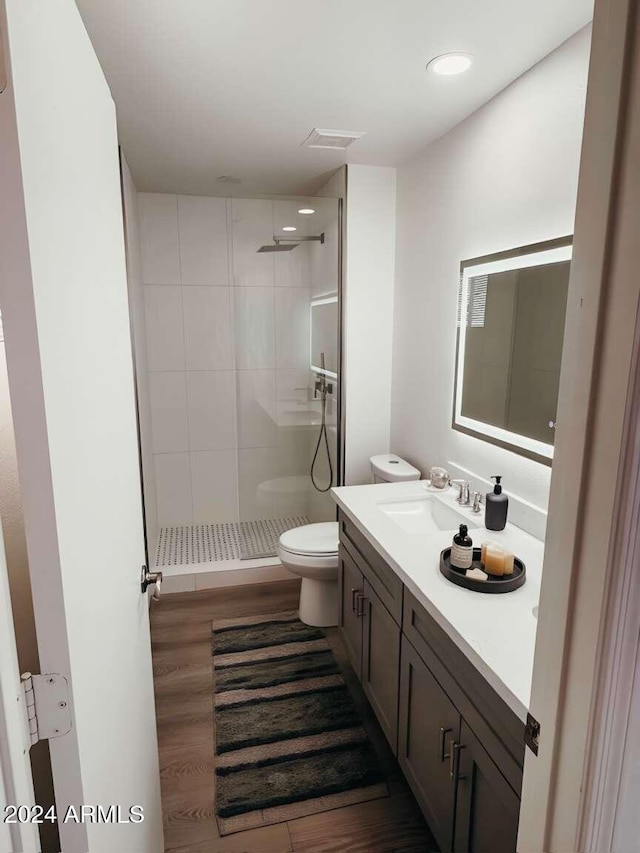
x: 324, y: 338
x: 511, y: 313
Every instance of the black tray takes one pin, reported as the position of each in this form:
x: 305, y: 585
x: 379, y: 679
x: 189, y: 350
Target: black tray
x: 493, y: 584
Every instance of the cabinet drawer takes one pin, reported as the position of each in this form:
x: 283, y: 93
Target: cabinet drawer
x: 382, y: 578
x: 494, y: 723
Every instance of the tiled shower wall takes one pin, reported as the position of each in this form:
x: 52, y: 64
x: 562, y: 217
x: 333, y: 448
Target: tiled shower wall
x: 228, y: 358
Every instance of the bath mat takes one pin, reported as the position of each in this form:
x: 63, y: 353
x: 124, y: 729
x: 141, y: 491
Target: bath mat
x: 289, y: 741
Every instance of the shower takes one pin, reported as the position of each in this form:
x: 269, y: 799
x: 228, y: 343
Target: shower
x: 286, y: 244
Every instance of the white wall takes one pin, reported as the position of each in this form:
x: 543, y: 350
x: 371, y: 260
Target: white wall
x: 505, y: 177
x: 368, y: 316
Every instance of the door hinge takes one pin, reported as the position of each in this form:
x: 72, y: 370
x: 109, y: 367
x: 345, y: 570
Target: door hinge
x: 532, y: 734
x: 46, y: 699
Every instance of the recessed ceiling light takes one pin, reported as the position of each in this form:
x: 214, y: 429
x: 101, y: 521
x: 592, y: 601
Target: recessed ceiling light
x: 306, y: 210
x: 289, y: 228
x: 450, y: 63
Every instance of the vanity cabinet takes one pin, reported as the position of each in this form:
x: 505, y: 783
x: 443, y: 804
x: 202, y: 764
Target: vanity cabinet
x: 458, y: 743
x: 381, y: 663
x: 372, y: 639
x: 487, y: 807
x: 351, y: 589
x: 429, y: 724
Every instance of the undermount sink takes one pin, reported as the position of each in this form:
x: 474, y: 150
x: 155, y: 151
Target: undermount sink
x: 419, y: 515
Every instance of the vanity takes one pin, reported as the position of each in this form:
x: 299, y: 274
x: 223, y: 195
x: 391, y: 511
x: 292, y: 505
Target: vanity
x: 447, y: 670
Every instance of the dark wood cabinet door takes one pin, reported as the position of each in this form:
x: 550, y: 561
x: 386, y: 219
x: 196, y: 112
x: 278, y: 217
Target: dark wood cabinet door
x: 381, y: 663
x: 487, y: 808
x: 428, y: 724
x: 351, y: 584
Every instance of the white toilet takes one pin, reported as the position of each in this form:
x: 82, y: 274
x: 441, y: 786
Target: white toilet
x: 311, y: 551
x: 389, y: 468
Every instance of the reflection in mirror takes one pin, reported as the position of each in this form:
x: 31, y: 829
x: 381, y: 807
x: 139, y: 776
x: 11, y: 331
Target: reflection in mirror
x: 511, y: 317
x: 324, y: 342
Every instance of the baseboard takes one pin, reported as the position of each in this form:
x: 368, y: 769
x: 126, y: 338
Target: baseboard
x: 194, y: 581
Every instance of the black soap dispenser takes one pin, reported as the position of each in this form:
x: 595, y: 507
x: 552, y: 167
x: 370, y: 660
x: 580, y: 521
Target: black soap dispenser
x: 497, y: 504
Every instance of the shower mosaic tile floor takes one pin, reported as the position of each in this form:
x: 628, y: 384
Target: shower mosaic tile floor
x: 230, y: 540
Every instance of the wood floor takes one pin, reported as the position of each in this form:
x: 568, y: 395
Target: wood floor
x: 180, y: 631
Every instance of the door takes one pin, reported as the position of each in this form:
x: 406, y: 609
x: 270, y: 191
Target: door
x: 428, y: 724
x: 16, y: 786
x: 351, y: 589
x: 63, y: 297
x: 381, y: 663
x: 487, y: 808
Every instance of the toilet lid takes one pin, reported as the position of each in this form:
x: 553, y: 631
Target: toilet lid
x: 312, y: 539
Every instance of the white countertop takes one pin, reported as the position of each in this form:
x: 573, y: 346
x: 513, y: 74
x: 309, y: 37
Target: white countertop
x: 497, y: 633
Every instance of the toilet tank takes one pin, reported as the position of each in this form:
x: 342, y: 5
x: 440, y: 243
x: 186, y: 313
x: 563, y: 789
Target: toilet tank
x: 389, y: 468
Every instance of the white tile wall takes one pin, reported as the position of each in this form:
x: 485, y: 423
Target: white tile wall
x: 252, y: 227
x: 165, y: 335
x: 168, y: 393
x: 255, y: 334
x: 257, y: 408
x: 264, y: 491
x: 293, y: 268
x: 173, y: 482
x: 294, y: 385
x: 159, y: 243
x: 212, y: 409
x: 203, y: 240
x: 292, y: 327
x: 214, y: 478
x: 208, y: 328
x: 227, y: 342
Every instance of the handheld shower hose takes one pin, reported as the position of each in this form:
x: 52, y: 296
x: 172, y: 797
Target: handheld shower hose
x: 321, y: 384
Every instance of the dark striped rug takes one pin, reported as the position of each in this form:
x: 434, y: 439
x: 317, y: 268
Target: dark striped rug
x: 289, y: 741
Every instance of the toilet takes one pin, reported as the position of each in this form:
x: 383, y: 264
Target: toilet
x: 389, y: 468
x: 311, y: 551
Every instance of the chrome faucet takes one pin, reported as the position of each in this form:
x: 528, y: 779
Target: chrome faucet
x: 477, y: 500
x: 463, y: 494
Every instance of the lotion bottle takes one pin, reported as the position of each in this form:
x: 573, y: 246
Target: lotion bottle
x: 496, y: 506
x: 462, y: 549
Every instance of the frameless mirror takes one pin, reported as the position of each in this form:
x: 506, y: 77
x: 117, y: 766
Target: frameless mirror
x: 511, y: 313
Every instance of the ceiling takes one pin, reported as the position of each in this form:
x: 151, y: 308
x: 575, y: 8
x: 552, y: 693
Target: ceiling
x: 205, y: 88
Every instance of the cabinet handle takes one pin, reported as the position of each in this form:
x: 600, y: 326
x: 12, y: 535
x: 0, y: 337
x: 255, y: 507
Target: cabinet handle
x: 360, y: 599
x: 354, y: 592
x: 454, y: 762
x: 442, y: 755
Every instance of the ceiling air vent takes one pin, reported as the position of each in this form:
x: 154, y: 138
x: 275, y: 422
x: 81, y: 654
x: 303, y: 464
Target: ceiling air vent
x: 339, y: 140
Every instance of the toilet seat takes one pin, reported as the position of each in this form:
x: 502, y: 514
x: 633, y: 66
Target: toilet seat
x: 312, y: 540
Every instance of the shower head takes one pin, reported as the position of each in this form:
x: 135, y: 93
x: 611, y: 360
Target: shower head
x: 279, y: 247
x: 286, y: 244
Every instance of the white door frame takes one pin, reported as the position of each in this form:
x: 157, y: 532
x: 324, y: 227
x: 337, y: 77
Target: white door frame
x: 590, y: 542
